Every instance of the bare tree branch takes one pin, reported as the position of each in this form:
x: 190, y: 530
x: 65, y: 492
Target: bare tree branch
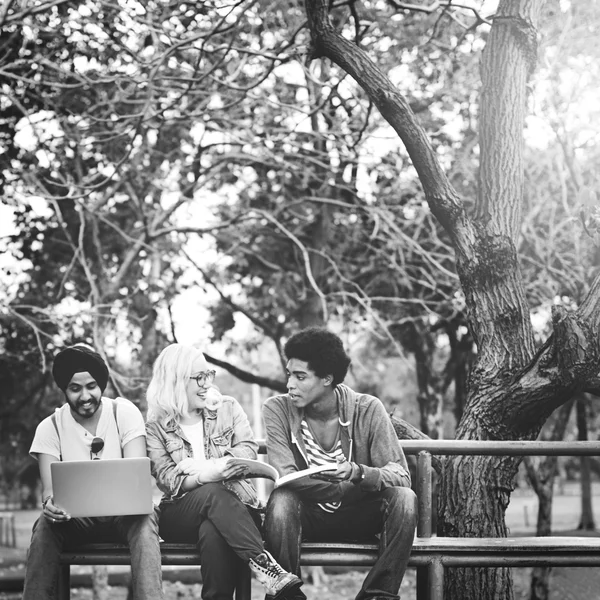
x: 246, y: 376
x: 441, y: 196
x: 33, y: 10
x: 436, y: 6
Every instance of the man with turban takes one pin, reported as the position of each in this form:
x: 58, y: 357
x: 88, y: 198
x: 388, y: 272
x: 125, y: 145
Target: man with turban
x: 88, y: 426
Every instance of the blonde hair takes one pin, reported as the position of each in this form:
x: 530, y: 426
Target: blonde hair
x: 166, y: 393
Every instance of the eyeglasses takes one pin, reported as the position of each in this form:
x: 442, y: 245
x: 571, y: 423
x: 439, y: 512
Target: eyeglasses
x: 97, y: 445
x: 204, y: 377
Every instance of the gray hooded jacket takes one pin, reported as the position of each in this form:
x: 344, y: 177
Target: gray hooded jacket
x: 368, y: 439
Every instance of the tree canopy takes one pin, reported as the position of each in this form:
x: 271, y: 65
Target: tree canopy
x: 421, y: 175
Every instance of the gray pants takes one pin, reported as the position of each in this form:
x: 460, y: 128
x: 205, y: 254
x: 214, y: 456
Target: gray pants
x: 48, y: 540
x: 390, y: 514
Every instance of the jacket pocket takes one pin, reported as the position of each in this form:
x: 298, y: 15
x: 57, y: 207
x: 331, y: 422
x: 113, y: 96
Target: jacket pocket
x: 223, y: 438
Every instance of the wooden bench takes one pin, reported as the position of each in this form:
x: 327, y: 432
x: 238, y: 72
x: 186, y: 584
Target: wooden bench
x: 430, y: 555
x: 433, y: 554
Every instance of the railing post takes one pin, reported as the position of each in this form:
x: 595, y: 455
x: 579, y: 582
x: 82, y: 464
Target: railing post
x: 64, y: 582
x: 424, y: 528
x: 424, y: 493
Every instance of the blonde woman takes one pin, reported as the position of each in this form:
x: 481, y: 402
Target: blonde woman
x: 191, y: 433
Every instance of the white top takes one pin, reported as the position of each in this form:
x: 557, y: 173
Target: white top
x: 75, y: 441
x: 195, y: 436
x: 317, y: 456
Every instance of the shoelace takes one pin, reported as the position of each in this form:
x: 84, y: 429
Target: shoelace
x: 274, y: 568
x: 279, y: 570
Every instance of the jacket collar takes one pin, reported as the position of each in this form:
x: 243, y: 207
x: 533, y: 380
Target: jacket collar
x: 346, y: 398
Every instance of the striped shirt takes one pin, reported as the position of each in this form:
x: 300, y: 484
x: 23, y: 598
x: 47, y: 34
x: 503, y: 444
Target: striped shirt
x: 317, y: 456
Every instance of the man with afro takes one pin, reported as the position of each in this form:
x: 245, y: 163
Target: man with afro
x: 321, y: 420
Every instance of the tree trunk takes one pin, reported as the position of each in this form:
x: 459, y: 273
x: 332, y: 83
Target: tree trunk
x: 542, y: 473
x: 100, y: 582
x: 420, y: 341
x: 475, y: 491
x: 540, y: 576
x: 152, y: 340
x: 431, y: 403
x: 314, y: 311
x: 473, y: 495
x: 586, y: 522
x: 314, y: 307
x: 462, y: 357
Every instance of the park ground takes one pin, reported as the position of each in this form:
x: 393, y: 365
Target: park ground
x: 343, y: 584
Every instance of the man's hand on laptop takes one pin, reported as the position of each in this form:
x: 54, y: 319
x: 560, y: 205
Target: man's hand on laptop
x: 53, y: 513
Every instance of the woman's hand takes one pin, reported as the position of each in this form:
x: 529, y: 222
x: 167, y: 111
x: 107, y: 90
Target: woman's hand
x: 189, y: 466
x: 53, y: 513
x: 219, y: 469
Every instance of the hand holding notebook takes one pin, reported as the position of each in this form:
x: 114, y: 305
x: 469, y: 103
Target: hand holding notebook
x: 256, y: 468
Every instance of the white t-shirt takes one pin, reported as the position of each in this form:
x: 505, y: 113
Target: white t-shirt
x: 317, y: 455
x: 75, y: 441
x: 195, y: 436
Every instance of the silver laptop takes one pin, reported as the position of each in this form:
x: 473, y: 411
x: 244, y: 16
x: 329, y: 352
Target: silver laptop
x: 103, y: 488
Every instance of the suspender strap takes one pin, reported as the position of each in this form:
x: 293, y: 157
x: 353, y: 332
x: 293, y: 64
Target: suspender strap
x: 114, y: 405
x: 53, y: 419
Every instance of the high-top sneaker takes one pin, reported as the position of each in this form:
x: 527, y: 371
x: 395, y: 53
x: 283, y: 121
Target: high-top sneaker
x: 296, y: 594
x: 278, y: 582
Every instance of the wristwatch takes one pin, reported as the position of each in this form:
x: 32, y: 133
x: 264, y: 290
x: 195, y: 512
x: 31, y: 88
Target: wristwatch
x: 46, y: 499
x: 357, y: 477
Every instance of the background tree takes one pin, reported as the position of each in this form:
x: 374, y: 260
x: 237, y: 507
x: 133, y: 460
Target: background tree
x: 541, y: 472
x: 513, y: 388
x: 113, y: 170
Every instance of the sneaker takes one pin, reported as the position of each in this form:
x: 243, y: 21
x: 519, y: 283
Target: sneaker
x: 277, y: 581
x: 293, y: 595
x: 296, y: 594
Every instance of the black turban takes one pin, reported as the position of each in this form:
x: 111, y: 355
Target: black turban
x: 78, y: 359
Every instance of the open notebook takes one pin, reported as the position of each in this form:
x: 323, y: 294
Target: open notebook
x: 102, y: 488
x: 257, y: 468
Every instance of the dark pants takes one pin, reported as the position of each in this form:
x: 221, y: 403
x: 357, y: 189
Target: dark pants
x: 390, y: 514
x: 223, y: 529
x: 48, y: 540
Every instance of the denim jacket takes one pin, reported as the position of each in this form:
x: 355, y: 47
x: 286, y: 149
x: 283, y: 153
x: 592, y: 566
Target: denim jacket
x: 367, y: 436
x: 227, y: 432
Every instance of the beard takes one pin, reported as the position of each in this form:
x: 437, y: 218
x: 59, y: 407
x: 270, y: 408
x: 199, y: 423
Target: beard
x: 85, y: 409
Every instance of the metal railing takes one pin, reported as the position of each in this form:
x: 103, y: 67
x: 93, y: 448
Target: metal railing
x: 425, y: 449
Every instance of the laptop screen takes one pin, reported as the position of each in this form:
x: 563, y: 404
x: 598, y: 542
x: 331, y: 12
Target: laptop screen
x: 102, y: 488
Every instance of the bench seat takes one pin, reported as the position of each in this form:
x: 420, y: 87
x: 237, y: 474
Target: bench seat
x: 434, y: 554
x: 551, y: 550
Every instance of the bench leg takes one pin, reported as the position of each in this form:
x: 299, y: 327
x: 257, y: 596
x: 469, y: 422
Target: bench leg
x: 64, y: 582
x: 243, y: 586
